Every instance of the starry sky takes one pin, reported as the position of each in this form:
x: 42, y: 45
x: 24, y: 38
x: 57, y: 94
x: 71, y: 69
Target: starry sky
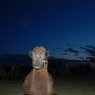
x: 64, y: 27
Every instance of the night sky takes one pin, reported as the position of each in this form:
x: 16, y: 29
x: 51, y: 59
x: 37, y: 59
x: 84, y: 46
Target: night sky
x: 64, y: 27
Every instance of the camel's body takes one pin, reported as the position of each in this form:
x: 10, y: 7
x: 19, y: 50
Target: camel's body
x: 39, y: 81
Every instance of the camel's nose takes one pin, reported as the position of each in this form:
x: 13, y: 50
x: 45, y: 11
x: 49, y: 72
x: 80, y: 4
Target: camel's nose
x: 38, y: 55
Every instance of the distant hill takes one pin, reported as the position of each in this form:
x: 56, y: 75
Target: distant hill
x: 20, y: 59
x: 23, y: 59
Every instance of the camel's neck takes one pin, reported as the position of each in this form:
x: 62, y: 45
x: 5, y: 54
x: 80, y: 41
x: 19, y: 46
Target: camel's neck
x: 40, y: 81
x: 40, y: 73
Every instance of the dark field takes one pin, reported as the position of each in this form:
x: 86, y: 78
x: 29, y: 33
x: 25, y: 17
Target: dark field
x: 66, y: 85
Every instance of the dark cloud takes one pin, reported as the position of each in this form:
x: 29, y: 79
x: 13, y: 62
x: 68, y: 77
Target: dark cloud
x: 66, y: 50
x: 90, y: 46
x: 57, y: 49
x: 81, y: 58
x: 64, y: 54
x: 88, y: 58
x: 71, y: 50
x: 89, y: 49
x: 76, y: 54
x: 82, y: 47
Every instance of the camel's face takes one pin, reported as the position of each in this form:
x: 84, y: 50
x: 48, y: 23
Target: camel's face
x: 39, y: 56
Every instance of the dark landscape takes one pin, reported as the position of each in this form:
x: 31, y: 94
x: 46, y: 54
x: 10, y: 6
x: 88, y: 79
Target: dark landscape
x: 68, y: 79
x: 65, y: 28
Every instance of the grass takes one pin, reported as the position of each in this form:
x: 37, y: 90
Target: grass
x: 63, y: 86
x: 75, y: 86
x: 11, y: 87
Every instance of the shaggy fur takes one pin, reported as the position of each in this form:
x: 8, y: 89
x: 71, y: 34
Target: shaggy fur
x: 39, y: 81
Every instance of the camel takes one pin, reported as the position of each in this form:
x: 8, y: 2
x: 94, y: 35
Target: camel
x: 39, y: 81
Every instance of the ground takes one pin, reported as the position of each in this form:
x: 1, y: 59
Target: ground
x: 66, y: 85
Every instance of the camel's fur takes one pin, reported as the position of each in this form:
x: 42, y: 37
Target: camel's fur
x: 39, y: 81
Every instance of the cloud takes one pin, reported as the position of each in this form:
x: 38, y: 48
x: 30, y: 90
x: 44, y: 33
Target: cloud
x: 88, y: 58
x: 89, y: 49
x: 66, y: 50
x: 90, y: 46
x: 71, y: 50
x: 92, y: 52
x: 64, y: 54
x: 76, y: 54
x: 82, y: 47
x: 55, y: 49
x: 81, y: 58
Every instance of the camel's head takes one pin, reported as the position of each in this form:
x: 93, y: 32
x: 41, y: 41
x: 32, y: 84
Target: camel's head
x: 39, y: 57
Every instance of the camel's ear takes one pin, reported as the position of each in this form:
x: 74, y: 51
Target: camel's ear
x: 47, y: 53
x: 30, y: 54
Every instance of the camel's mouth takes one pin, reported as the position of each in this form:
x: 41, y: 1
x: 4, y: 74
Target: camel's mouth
x: 40, y: 64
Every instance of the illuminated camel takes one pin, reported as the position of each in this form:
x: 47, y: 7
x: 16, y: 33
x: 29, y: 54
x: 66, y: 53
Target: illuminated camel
x: 39, y: 81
